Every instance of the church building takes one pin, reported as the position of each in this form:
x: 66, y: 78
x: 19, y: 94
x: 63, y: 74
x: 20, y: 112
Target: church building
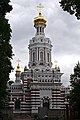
x: 40, y: 85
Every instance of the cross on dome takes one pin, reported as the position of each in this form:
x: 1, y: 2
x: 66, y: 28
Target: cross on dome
x: 18, y: 60
x: 40, y: 6
x: 18, y: 66
x: 56, y: 62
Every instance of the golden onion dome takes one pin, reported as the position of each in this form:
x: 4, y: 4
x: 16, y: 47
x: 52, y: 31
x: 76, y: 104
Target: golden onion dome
x: 40, y: 19
x: 18, y: 69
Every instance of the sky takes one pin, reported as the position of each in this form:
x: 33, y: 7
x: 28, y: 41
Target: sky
x: 62, y: 29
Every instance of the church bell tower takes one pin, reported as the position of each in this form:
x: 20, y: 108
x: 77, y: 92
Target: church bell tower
x: 40, y: 46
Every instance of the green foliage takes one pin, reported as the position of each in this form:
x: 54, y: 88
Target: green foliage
x: 5, y: 49
x: 61, y: 118
x: 75, y: 90
x: 10, y: 118
x: 5, y: 7
x: 71, y: 6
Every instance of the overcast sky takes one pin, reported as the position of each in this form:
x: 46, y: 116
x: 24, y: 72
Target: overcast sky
x: 62, y: 28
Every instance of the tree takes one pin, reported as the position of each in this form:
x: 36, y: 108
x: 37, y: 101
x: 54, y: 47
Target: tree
x: 5, y: 49
x: 74, y: 97
x: 71, y: 6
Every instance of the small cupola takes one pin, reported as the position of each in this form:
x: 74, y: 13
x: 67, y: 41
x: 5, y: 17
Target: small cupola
x: 18, y: 69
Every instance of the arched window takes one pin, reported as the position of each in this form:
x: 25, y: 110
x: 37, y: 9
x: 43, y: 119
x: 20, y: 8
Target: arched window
x: 48, y: 57
x: 17, y: 104
x: 41, y: 56
x: 33, y: 56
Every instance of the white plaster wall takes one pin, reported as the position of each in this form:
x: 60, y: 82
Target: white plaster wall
x: 45, y: 93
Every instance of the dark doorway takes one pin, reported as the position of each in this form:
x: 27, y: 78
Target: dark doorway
x: 17, y: 104
x: 46, y: 103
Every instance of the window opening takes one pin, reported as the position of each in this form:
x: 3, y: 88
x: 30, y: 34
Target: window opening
x: 41, y: 56
x: 34, y: 57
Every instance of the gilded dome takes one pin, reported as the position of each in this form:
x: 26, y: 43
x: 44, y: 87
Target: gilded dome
x: 18, y: 69
x: 39, y: 19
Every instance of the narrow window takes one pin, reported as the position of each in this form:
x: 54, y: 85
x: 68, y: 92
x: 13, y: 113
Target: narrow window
x: 37, y: 29
x: 34, y: 57
x: 48, y: 57
x: 31, y: 56
x: 38, y: 53
x: 41, y: 40
x: 40, y: 29
x: 41, y: 56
